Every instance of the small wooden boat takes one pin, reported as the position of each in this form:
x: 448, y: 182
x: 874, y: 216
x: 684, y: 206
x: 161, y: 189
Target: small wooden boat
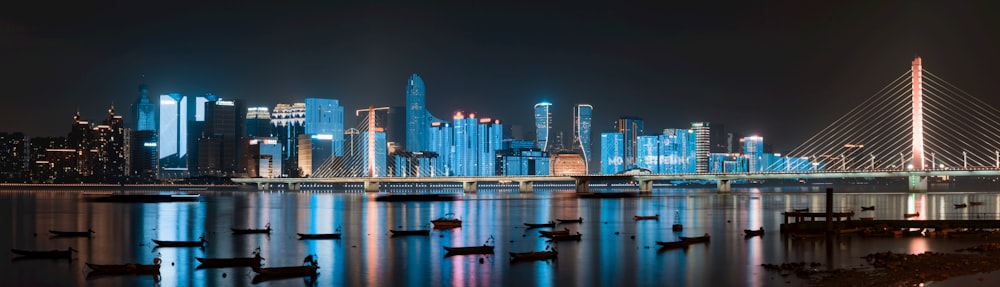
x: 130, y: 268
x: 566, y: 237
x: 60, y: 233
x: 800, y: 209
x: 540, y: 225
x: 230, y: 262
x: 448, y: 221
x: 266, y: 230
x: 305, y: 236
x: 485, y: 249
x: 546, y: 233
x: 867, y: 208
x: 699, y: 239
x: 961, y: 205
x: 308, y: 268
x: 50, y: 254
x: 533, y: 255
x: 751, y: 233
x: 677, y: 227
x: 673, y: 244
x: 975, y: 203
x: 564, y: 221
x: 646, y: 217
x: 909, y: 215
x: 413, y: 232
x: 165, y: 243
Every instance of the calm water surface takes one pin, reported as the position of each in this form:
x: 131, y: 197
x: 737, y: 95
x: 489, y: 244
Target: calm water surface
x: 615, y: 250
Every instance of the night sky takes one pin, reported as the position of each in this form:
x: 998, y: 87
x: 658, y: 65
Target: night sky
x: 780, y: 71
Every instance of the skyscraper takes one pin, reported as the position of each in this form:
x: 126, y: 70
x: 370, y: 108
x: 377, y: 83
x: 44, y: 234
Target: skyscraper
x: 753, y: 149
x: 258, y: 122
x: 631, y: 129
x: 543, y: 122
x: 326, y: 117
x: 702, y: 136
x: 110, y: 161
x: 143, y: 112
x: 612, y: 153
x: 417, y: 116
x: 582, y: 118
x: 180, y: 117
x: 220, y: 145
x: 288, y: 121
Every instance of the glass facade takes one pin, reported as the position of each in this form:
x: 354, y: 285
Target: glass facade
x: 582, y: 119
x: 173, y: 131
x: 543, y: 122
x: 753, y: 149
x: 326, y: 117
x: 631, y: 129
x: 703, y: 145
x: 417, y: 116
x: 612, y: 153
x: 144, y: 111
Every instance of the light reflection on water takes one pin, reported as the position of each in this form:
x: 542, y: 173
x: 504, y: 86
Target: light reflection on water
x: 615, y: 250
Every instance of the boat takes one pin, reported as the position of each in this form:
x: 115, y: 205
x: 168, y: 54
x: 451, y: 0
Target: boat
x: 975, y: 203
x: 148, y: 198
x: 751, y: 233
x: 164, y: 243
x: 130, y: 268
x: 448, y: 221
x: 485, y: 249
x: 60, y: 233
x: 961, y: 205
x: 230, y: 262
x: 534, y: 255
x: 546, y: 233
x: 699, y: 239
x: 539, y: 225
x: 566, y: 237
x: 50, y: 254
x: 646, y: 217
x: 564, y: 221
x: 908, y: 215
x: 850, y: 230
x: 867, y: 208
x: 677, y: 227
x: 415, y: 197
x: 673, y: 244
x: 266, y: 230
x: 800, y: 209
x: 411, y: 232
x: 308, y: 268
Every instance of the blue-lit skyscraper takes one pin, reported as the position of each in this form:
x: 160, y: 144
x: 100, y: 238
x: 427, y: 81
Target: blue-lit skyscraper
x: 173, y: 131
x: 631, y: 129
x: 143, y: 112
x: 441, y: 143
x: 543, y: 122
x: 489, y: 141
x: 612, y: 153
x: 703, y: 145
x: 753, y: 148
x: 582, y: 119
x: 417, y: 116
x: 326, y: 117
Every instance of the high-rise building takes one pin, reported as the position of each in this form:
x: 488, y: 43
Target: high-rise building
x: 221, y: 143
x: 80, y: 140
x: 313, y: 151
x: 258, y: 122
x: 543, y: 123
x: 264, y: 157
x: 631, y: 129
x: 326, y: 117
x: 143, y: 112
x: 417, y: 116
x: 110, y: 150
x: 753, y: 149
x: 702, y: 134
x: 143, y: 162
x: 181, y: 120
x: 42, y: 167
x: 582, y: 119
x: 441, y: 139
x: 288, y: 121
x: 13, y: 157
x: 612, y: 153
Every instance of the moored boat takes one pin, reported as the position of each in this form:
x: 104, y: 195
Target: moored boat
x: 485, y: 249
x: 50, y: 254
x: 867, y: 208
x: 699, y: 239
x: 130, y: 268
x: 909, y: 215
x: 412, y: 232
x: 167, y: 243
x: 309, y: 267
x: 961, y: 205
x: 231, y: 262
x: 540, y: 225
x: 800, y: 209
x: 975, y: 203
x: 646, y: 217
x: 303, y: 236
x: 547, y: 233
x: 61, y: 233
x: 534, y: 255
x: 673, y: 244
x: 266, y: 230
x: 448, y: 221
x: 751, y: 233
x: 564, y: 221
x: 566, y: 237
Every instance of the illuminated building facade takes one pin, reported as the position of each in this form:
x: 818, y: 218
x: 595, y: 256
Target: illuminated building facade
x: 568, y: 163
x: 180, y: 117
x: 288, y: 121
x: 264, y: 157
x: 631, y: 129
x: 703, y: 145
x: 753, y: 149
x: 312, y: 151
x: 326, y: 117
x: 221, y: 143
x: 727, y: 163
x: 143, y: 162
x: 612, y: 153
x: 258, y: 122
x: 582, y: 120
x: 543, y: 123
x: 13, y: 157
x: 441, y: 141
x: 143, y: 112
x: 417, y: 116
x: 109, y: 150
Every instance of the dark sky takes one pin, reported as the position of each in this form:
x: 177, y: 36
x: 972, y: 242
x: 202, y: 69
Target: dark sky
x: 781, y: 71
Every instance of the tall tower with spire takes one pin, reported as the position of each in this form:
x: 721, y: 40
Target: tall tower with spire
x: 143, y: 112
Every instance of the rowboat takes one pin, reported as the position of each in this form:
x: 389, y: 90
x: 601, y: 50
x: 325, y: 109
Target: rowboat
x: 677, y: 227
x: 230, y: 262
x: 867, y: 208
x: 533, y: 255
x: 72, y: 233
x: 673, y: 244
x: 646, y: 217
x: 564, y: 221
x: 961, y: 205
x: 566, y: 237
x: 130, y: 268
x: 266, y: 230
x: 448, y: 221
x: 908, y: 215
x: 303, y: 236
x: 51, y: 254
x: 751, y: 233
x: 546, y: 233
x: 698, y: 239
x: 166, y: 243
x: 974, y: 203
x: 539, y: 225
x: 308, y: 268
x: 485, y: 249
x: 423, y: 232
x: 800, y: 209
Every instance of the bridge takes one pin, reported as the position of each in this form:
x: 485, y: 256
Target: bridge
x: 916, y: 127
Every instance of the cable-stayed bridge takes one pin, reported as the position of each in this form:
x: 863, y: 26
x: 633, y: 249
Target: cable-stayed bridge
x: 916, y: 127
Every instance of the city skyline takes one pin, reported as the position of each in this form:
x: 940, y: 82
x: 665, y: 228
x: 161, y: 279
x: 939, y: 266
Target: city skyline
x: 748, y: 66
